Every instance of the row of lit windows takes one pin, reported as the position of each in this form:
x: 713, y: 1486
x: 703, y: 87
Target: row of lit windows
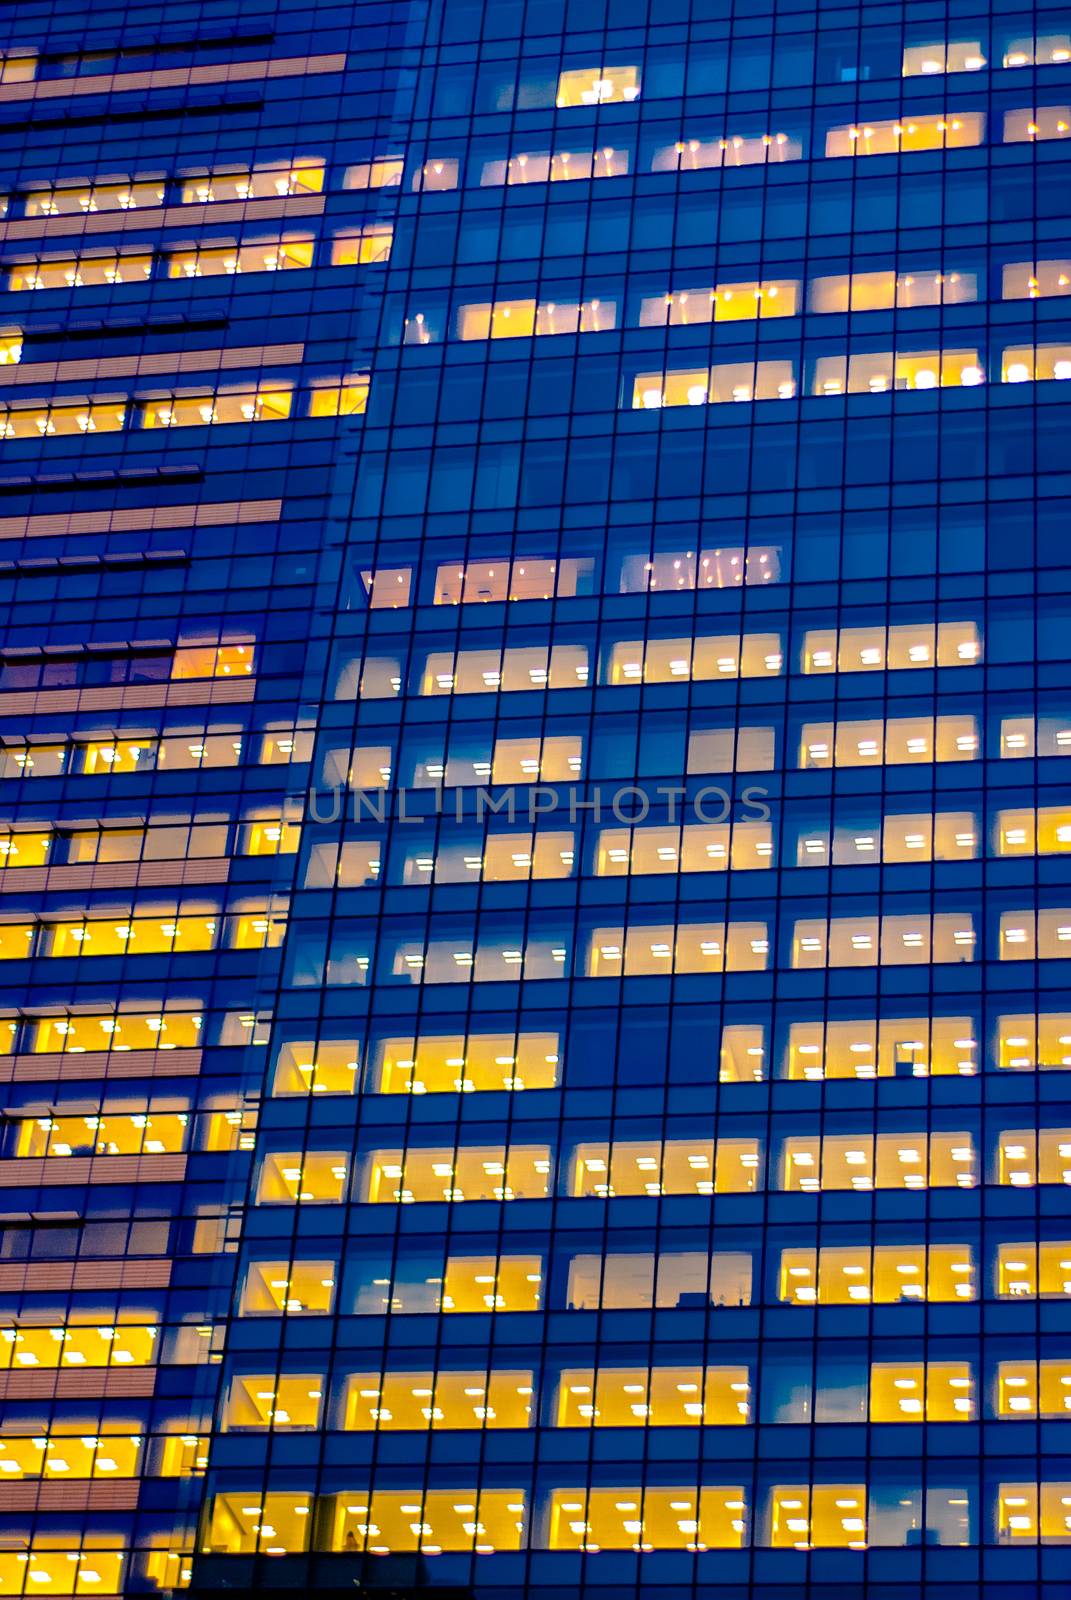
x: 178, y: 751
x: 156, y: 1132
x: 804, y: 1164
x: 118, y: 1453
x: 470, y: 855
x: 798, y: 1516
x: 503, y: 951
x: 882, y: 1274
x: 177, y: 1026
x: 899, y: 647
x: 267, y: 835
x: 743, y: 301
x: 42, y: 418
x: 147, y: 932
x: 864, y: 373
x: 354, y: 247
x: 34, y: 671
x: 268, y: 181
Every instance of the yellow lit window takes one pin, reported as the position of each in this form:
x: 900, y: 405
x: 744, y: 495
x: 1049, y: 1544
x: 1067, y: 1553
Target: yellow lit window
x: 40, y: 420
x: 422, y: 1400
x: 1034, y: 1388
x: 1023, y: 738
x: 659, y: 950
x: 1044, y: 832
x: 296, y: 1287
x: 62, y: 1572
x: 1036, y: 363
x: 487, y: 1283
x: 882, y: 1161
x: 65, y: 1456
x: 913, y: 1047
x: 273, y: 1523
x: 78, y: 272
x: 1035, y: 935
x: 316, y: 1068
x: 647, y: 1519
x: 367, y: 246
x: 733, y: 150
x: 121, y: 1345
x: 18, y: 69
x: 388, y: 588
x: 315, y: 1176
x: 732, y: 382
x: 693, y: 847
x: 877, y: 374
x: 82, y: 199
x: 274, y: 836
x: 24, y: 849
x: 659, y: 1397
x: 162, y: 1030
x: 431, y: 1521
x: 1048, y: 49
x: 901, y: 646
x: 676, y: 1166
x: 1030, y: 1156
x: 886, y: 1274
x: 896, y: 136
x: 439, y: 173
x: 285, y: 254
x: 899, y: 741
x: 225, y: 406
x: 1034, y: 126
x: 938, y: 1391
x: 262, y: 184
x: 36, y: 761
x: 750, y: 655
x: 158, y: 1133
x: 594, y: 86
x: 1031, y: 1270
x: 930, y: 60
x: 384, y: 173
x: 213, y: 661
x: 116, y: 756
x: 144, y: 935
x: 742, y: 1053
x: 556, y: 758
x: 1036, y: 280
x: 275, y: 1401
x: 724, y: 302
x: 1029, y: 1513
x: 1025, y: 1043
x: 516, y: 668
x: 459, y: 1063
x: 396, y: 1177
x: 803, y: 1517
x: 885, y: 941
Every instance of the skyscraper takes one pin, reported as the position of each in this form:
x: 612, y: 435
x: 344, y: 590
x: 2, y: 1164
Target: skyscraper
x: 535, y: 915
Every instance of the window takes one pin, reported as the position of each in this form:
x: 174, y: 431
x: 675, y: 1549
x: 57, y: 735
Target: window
x: 1036, y: 363
x: 439, y: 173
x: 656, y: 1397
x: 594, y: 86
x: 1034, y: 1389
x: 470, y: 1172
x: 1036, y: 280
x: 315, y: 1176
x: 900, y: 647
x: 949, y: 131
x: 936, y: 1391
x: 125, y: 1344
x: 729, y: 568
x: 899, y: 741
x: 286, y: 1400
x: 63, y: 1572
x: 1033, y: 1271
x: 558, y: 166
x: 112, y: 1134
x: 42, y: 419
x: 242, y: 1523
x: 879, y: 1161
x: 383, y: 173
x: 418, y: 1401
x: 673, y: 1278
x: 1035, y: 935
x: 677, y: 1166
x: 646, y: 1518
x: 885, y: 941
x: 348, y: 398
x: 82, y: 199
x: 1032, y: 1513
x: 881, y: 291
x: 527, y: 578
x: 827, y: 1515
x: 737, y: 381
x: 659, y: 950
x: 263, y: 183
x: 432, y: 1520
x: 517, y: 667
x: 729, y: 150
x: 930, y: 60
x: 1026, y: 1043
x: 466, y: 1064
x: 521, y: 319
x: 296, y: 1287
x: 752, y: 655
x: 1034, y: 1156
x: 1042, y: 832
x: 1046, y: 50
x: 285, y: 254
x: 123, y: 1031
x: 78, y: 272
x: 877, y: 374
x: 725, y: 302
x: 910, y: 1047
x: 884, y: 1274
x: 695, y: 847
x: 225, y: 405
x: 363, y: 246
x: 946, y: 836
x: 1036, y: 125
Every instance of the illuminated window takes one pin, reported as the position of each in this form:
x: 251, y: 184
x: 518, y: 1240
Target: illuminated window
x: 1036, y: 125
x: 900, y: 647
x: 1034, y: 1389
x: 62, y: 1572
x: 431, y: 1521
x: 520, y: 319
x: 645, y: 1518
x: 285, y: 1400
x: 33, y: 761
x: 24, y: 849
x: 81, y: 199
x: 325, y: 1067
x: 731, y: 150
x: 899, y: 136
x: 936, y: 1391
x: 313, y: 1176
x: 384, y: 173
x: 879, y: 1161
x: 657, y: 950
x: 1026, y: 737
x: 397, y: 1177
x: 1026, y: 1043
x: 908, y: 1047
x: 348, y: 398
x: 123, y: 1344
x: 465, y: 1064
x: 79, y: 272
x: 1032, y: 1513
x: 803, y: 1517
x: 365, y: 246
x: 675, y: 1166
x: 877, y: 374
x: 41, y: 419
x: 881, y: 291
x: 1036, y: 280
x: 1036, y: 363
x: 693, y: 847
x: 487, y: 1283
x: 594, y: 86
x: 886, y: 941
x: 64, y: 1456
x: 273, y: 1523
x: 946, y: 836
x: 439, y: 173
x: 672, y: 1278
x: 728, y: 568
x: 517, y: 667
x: 18, y: 69
x: 884, y: 1274
x: 494, y: 858
x: 1044, y: 832
x: 296, y: 1287
x: 897, y: 742
x: 1035, y: 935
x: 162, y: 1030
x: 737, y: 381
x: 724, y: 302
x: 750, y: 655
x: 525, y: 579
x: 556, y: 758
x: 1034, y: 1271
x: 742, y: 1053
x: 226, y: 260
x: 930, y: 60
x: 423, y: 1400
x: 656, y: 1397
x: 111, y: 1134
x: 1046, y: 50
x: 263, y: 183
x: 1030, y: 1155
x: 214, y: 661
x: 224, y: 406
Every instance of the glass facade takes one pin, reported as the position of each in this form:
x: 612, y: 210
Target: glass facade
x: 478, y: 1115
